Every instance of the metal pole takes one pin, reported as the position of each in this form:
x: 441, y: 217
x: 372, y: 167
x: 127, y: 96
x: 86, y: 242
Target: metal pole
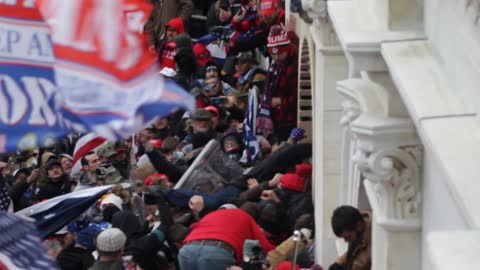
x: 296, y: 238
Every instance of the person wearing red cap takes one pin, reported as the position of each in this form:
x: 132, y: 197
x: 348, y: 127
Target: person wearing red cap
x: 202, y: 54
x: 163, y: 12
x: 167, y: 46
x: 279, y: 99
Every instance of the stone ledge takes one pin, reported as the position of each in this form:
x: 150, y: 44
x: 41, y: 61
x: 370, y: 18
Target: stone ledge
x: 454, y: 249
x: 422, y: 81
x: 455, y: 141
x: 358, y: 28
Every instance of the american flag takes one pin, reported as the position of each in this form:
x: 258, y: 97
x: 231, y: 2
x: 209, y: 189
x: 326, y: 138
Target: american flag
x: 251, y: 143
x: 20, y: 247
x: 5, y: 201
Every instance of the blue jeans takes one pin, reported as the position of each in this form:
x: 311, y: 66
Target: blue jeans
x: 203, y: 257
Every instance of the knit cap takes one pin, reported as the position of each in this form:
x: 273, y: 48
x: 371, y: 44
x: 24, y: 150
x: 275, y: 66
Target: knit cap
x: 278, y: 40
x: 111, y: 240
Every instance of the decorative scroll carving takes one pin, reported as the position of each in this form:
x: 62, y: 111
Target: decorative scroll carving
x: 396, y: 176
x: 317, y: 9
x: 351, y: 111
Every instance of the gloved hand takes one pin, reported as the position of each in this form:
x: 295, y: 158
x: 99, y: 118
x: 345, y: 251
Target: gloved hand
x: 297, y: 134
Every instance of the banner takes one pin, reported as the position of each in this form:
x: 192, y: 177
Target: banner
x: 27, y: 83
x: 89, y: 71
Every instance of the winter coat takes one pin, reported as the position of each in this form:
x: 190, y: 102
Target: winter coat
x: 75, y: 258
x: 286, y: 88
x: 50, y: 189
x: 142, y: 247
x: 164, y: 11
x: 359, y: 256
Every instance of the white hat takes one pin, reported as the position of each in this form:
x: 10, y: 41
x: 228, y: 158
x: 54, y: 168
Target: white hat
x: 111, y: 240
x: 168, y: 72
x: 227, y: 206
x: 113, y: 199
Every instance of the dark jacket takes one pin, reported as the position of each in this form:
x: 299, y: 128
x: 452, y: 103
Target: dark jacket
x: 17, y: 195
x: 141, y: 246
x: 108, y: 265
x: 50, y: 189
x: 75, y: 258
x: 161, y: 165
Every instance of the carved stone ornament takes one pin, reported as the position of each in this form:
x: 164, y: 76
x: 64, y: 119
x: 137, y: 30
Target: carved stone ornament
x: 351, y: 111
x: 316, y: 9
x: 395, y: 174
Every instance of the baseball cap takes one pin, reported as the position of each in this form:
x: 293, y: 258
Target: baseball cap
x: 268, y: 7
x: 51, y: 163
x: 111, y: 240
x: 201, y: 114
x: 202, y: 54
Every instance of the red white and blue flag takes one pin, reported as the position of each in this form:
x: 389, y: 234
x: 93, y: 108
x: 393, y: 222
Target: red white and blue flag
x: 88, y: 70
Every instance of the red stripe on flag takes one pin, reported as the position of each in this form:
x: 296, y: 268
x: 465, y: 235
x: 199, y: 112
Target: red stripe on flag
x: 89, y: 146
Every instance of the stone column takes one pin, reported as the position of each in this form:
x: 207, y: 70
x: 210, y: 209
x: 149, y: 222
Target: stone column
x: 329, y: 66
x: 389, y: 156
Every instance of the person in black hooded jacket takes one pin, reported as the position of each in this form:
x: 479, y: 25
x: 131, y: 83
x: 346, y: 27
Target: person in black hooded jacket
x: 141, y: 246
x: 57, y: 183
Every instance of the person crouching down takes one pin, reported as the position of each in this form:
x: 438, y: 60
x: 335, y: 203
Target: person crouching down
x: 355, y: 228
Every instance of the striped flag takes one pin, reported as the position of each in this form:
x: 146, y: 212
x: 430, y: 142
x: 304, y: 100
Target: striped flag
x: 20, y: 246
x: 251, y: 143
x: 88, y: 142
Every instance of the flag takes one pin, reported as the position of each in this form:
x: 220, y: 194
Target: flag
x: 51, y: 215
x: 20, y: 246
x: 88, y: 142
x: 88, y: 70
x: 5, y: 201
x: 251, y: 143
x: 107, y: 78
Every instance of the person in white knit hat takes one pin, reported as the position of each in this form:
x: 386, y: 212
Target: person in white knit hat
x: 110, y: 246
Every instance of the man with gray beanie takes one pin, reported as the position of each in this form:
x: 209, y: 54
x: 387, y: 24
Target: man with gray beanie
x: 110, y: 246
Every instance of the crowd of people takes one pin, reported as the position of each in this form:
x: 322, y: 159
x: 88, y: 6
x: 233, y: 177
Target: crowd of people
x: 249, y: 220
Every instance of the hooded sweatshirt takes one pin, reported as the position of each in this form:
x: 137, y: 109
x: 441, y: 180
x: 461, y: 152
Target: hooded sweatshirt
x: 142, y: 247
x: 176, y: 23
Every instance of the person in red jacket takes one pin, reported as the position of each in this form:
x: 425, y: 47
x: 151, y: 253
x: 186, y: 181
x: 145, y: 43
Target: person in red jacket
x: 167, y: 47
x: 216, y: 241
